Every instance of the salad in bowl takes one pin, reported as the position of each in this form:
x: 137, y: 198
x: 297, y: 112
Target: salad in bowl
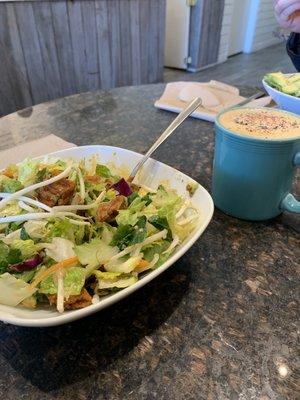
x: 284, y: 90
x: 72, y: 231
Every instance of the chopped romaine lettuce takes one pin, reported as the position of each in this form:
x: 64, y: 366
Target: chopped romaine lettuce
x: 59, y: 249
x: 10, y: 209
x: 95, y: 253
x: 27, y: 248
x: 9, y: 185
x: 4, y: 250
x: 26, y: 276
x: 74, y: 279
x: 161, y: 223
x: 110, y: 194
x: 103, y: 171
x: 124, y: 266
x: 107, y: 275
x: 13, y: 235
x: 57, y: 227
x: 132, y: 197
x: 60, y: 165
x: 12, y: 290
x: 164, y: 198
x: 9, y: 256
x: 107, y: 233
x: 127, y: 235
x: 23, y: 234
x: 131, y: 215
x: 14, y: 256
x: 137, y: 205
x: 27, y: 172
x: 127, y: 217
x: 36, y: 229
x: 156, y: 248
x: 192, y: 187
x: 115, y: 280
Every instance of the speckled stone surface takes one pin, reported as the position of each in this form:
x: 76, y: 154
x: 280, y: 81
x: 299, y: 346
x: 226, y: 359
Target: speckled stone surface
x: 219, y: 324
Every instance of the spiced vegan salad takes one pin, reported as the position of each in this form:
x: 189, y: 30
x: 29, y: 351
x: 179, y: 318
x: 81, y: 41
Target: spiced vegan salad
x: 72, y: 231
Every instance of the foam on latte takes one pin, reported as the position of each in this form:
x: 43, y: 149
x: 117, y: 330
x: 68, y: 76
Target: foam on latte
x: 261, y: 123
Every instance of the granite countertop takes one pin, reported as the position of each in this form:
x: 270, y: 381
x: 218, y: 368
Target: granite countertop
x: 219, y: 324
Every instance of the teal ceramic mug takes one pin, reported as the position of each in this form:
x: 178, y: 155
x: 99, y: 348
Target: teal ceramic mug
x: 252, y: 177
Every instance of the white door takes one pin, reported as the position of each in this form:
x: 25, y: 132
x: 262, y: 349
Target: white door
x: 238, y: 26
x: 177, y: 34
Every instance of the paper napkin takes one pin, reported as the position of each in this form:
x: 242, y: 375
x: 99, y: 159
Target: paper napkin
x: 35, y: 148
x: 216, y: 96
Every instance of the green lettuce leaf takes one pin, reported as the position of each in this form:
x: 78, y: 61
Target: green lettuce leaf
x: 59, y: 249
x: 168, y: 204
x: 161, y: 223
x: 60, y: 165
x: 23, y: 234
x: 12, y: 290
x: 9, y: 185
x: 137, y: 205
x: 10, y: 209
x: 27, y: 172
x: 156, y: 248
x: 114, y: 280
x: 147, y: 199
x: 131, y: 215
x: 12, y: 227
x: 74, y: 280
x: 26, y: 276
x: 27, y: 248
x: 14, y: 256
x: 110, y: 194
x: 4, y: 250
x: 127, y: 235
x: 57, y: 227
x: 10, y: 237
x: 107, y: 275
x: 132, y: 197
x: 95, y: 253
x: 124, y: 266
x: 107, y: 233
x: 35, y: 229
x: 192, y: 188
x: 103, y: 171
x: 127, y: 217
x: 164, y: 198
x: 8, y: 256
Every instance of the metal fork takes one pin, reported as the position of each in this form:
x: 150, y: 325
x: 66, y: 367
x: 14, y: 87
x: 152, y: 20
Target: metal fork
x: 170, y: 129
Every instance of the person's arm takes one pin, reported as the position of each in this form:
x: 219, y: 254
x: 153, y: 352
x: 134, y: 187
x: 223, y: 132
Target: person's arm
x: 293, y: 49
x: 287, y: 13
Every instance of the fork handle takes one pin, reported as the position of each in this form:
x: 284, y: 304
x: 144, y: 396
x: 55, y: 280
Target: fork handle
x: 170, y: 129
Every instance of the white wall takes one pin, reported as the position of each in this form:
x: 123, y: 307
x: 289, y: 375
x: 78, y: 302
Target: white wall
x: 225, y: 31
x: 260, y: 27
x: 265, y: 25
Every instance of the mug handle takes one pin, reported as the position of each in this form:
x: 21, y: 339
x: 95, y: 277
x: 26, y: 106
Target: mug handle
x: 289, y: 203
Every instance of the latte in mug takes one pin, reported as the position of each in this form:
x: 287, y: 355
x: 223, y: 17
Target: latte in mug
x: 261, y: 123
x: 256, y: 154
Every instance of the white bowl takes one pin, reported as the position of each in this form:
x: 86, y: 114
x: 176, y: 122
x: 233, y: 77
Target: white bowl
x: 152, y: 175
x: 285, y: 101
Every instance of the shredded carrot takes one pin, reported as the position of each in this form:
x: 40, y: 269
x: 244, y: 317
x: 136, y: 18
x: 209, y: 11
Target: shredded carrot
x: 141, y: 265
x: 44, y: 274
x: 8, y: 172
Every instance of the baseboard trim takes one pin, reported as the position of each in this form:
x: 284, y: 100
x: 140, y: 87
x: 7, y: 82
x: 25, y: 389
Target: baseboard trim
x: 192, y: 69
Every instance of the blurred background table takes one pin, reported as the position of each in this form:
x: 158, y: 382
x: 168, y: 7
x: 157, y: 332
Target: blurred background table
x: 219, y: 324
